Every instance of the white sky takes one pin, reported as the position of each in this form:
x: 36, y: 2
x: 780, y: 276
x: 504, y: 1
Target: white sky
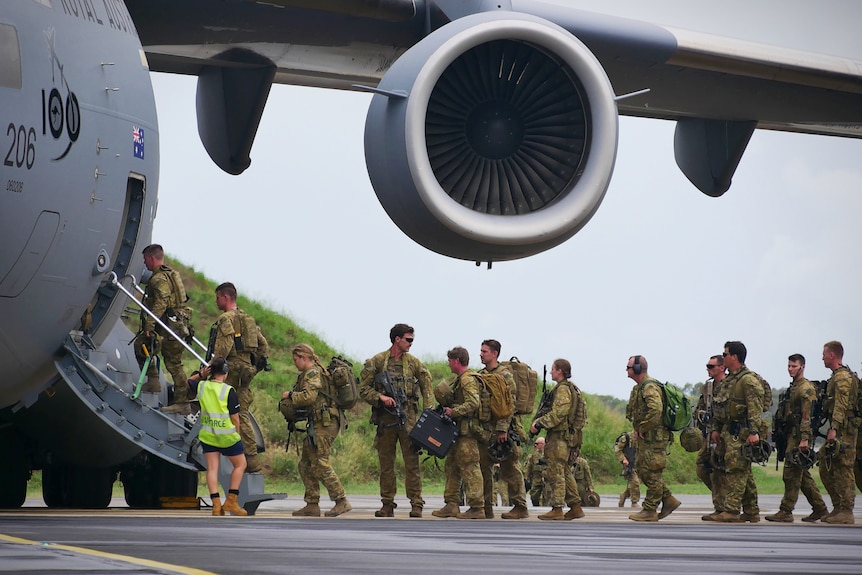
x: 661, y: 270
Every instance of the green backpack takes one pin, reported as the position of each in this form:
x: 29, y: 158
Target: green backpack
x: 342, y: 384
x: 676, y: 409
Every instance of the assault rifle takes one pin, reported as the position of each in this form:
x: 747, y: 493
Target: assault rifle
x: 705, y: 418
x: 781, y: 426
x: 547, y: 401
x: 398, y: 394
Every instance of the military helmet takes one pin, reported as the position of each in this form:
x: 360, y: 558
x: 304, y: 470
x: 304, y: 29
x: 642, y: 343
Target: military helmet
x: 501, y: 451
x: 758, y: 453
x: 443, y: 394
x: 691, y: 439
x: 804, y: 459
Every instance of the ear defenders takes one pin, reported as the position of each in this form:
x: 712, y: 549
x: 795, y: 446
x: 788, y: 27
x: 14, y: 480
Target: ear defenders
x: 637, y: 367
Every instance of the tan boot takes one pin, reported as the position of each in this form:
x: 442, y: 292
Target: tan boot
x: 310, y: 510
x: 448, y: 510
x: 828, y: 515
x: 152, y: 385
x: 341, y: 506
x: 843, y: 517
x: 179, y: 408
x: 473, y: 513
x: 648, y: 515
x: 816, y: 515
x: 217, y: 510
x: 415, y: 511
x: 781, y: 517
x: 555, y: 514
x: 517, y: 512
x: 622, y: 500
x: 232, y: 505
x: 388, y: 510
x: 728, y: 517
x: 489, y: 512
x: 253, y: 464
x: 750, y: 517
x: 668, y: 506
x: 574, y: 512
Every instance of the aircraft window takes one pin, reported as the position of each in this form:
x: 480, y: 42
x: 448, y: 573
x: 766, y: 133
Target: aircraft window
x: 10, y: 58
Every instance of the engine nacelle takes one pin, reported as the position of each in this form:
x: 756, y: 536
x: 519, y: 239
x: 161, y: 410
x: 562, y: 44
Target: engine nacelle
x: 503, y: 143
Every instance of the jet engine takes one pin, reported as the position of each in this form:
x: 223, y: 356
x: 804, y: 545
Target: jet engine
x: 494, y: 138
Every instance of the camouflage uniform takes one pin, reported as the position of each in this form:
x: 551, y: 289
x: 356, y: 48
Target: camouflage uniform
x: 562, y: 444
x: 510, y: 468
x: 836, y: 469
x: 633, y: 483
x: 645, y: 413
x: 236, y: 337
x: 535, y: 470
x: 314, y: 466
x: 462, y: 461
x: 705, y: 461
x: 798, y: 415
x: 738, y: 408
x: 584, y: 480
x: 411, y: 375
x: 164, y: 292
x: 501, y: 488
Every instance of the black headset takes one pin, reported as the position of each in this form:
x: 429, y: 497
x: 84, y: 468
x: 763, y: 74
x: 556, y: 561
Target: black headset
x: 636, y: 366
x: 219, y: 365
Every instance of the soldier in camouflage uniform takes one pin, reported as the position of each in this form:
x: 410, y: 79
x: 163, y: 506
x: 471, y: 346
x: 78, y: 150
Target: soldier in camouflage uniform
x: 165, y: 296
x: 738, y: 409
x: 651, y: 440
x: 564, y: 424
x: 624, y: 448
x: 314, y: 466
x: 796, y: 417
x: 510, y: 468
x: 535, y: 470
x: 584, y: 479
x: 707, y: 464
x: 236, y: 336
x: 462, y: 461
x: 838, y: 456
x: 410, y: 376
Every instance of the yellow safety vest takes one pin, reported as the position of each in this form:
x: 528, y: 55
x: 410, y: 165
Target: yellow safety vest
x: 217, y: 429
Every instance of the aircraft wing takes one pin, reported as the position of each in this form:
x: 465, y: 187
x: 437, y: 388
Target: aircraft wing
x: 509, y: 108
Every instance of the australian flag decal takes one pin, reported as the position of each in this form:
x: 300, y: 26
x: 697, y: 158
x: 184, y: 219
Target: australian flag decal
x: 138, y: 142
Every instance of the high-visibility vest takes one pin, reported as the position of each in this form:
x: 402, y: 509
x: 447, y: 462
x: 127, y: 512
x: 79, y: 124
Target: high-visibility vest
x: 217, y: 429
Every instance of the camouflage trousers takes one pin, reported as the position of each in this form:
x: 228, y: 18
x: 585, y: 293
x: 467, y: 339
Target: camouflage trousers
x: 172, y: 358
x: 795, y: 479
x: 741, y: 488
x: 512, y: 475
x: 703, y: 466
x: 633, y: 488
x: 462, y: 465
x: 537, y: 493
x: 246, y: 431
x: 501, y: 492
x: 560, y: 485
x: 650, y: 461
x: 314, y: 466
x: 837, y: 472
x: 386, y: 441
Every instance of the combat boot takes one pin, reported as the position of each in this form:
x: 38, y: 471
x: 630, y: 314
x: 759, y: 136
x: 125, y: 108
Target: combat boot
x: 473, y: 513
x: 728, y: 517
x: 622, y: 500
x: 668, y: 506
x: 828, y: 515
x: 648, y: 515
x: 781, y: 517
x: 517, y: 512
x: 180, y: 408
x: 152, y: 385
x: 555, y: 514
x: 574, y: 512
x: 341, y: 506
x: 843, y: 517
x: 710, y: 516
x: 489, y: 512
x: 310, y: 510
x: 217, y: 510
x: 416, y: 511
x: 388, y: 510
x: 448, y: 510
x: 232, y: 505
x: 816, y: 515
x: 252, y: 464
x: 750, y: 517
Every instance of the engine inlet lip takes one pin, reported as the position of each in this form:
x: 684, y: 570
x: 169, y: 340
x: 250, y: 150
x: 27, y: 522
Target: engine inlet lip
x: 571, y: 210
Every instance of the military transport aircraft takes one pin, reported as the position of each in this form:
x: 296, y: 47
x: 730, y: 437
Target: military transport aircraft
x: 491, y: 136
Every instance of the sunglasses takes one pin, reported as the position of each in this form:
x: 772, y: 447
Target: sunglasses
x: 708, y: 366
x: 408, y: 339
x: 725, y: 354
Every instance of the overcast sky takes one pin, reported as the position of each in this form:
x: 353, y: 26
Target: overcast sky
x: 661, y: 270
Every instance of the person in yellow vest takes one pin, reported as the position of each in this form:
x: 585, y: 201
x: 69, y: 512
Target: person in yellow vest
x: 219, y: 433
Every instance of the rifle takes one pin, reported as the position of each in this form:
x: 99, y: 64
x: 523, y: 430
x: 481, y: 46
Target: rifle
x: 547, y: 401
x: 396, y: 393
x: 780, y: 426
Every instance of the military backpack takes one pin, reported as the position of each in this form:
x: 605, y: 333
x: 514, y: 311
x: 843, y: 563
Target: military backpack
x: 341, y: 383
x: 676, y: 409
x: 495, y: 398
x: 526, y: 384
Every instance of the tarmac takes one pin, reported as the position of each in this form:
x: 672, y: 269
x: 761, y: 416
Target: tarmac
x: 35, y: 539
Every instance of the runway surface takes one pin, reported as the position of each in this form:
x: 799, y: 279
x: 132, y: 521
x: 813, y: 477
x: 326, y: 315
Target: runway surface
x: 119, y: 540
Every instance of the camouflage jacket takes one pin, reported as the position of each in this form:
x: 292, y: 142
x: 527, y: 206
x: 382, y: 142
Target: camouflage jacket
x: 535, y: 467
x: 840, y: 403
x: 739, y: 401
x: 306, y: 394
x: 164, y: 289
x: 646, y: 414
x: 515, y: 419
x: 797, y: 411
x: 232, y: 327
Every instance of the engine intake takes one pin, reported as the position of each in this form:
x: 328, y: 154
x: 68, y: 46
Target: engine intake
x: 504, y: 144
